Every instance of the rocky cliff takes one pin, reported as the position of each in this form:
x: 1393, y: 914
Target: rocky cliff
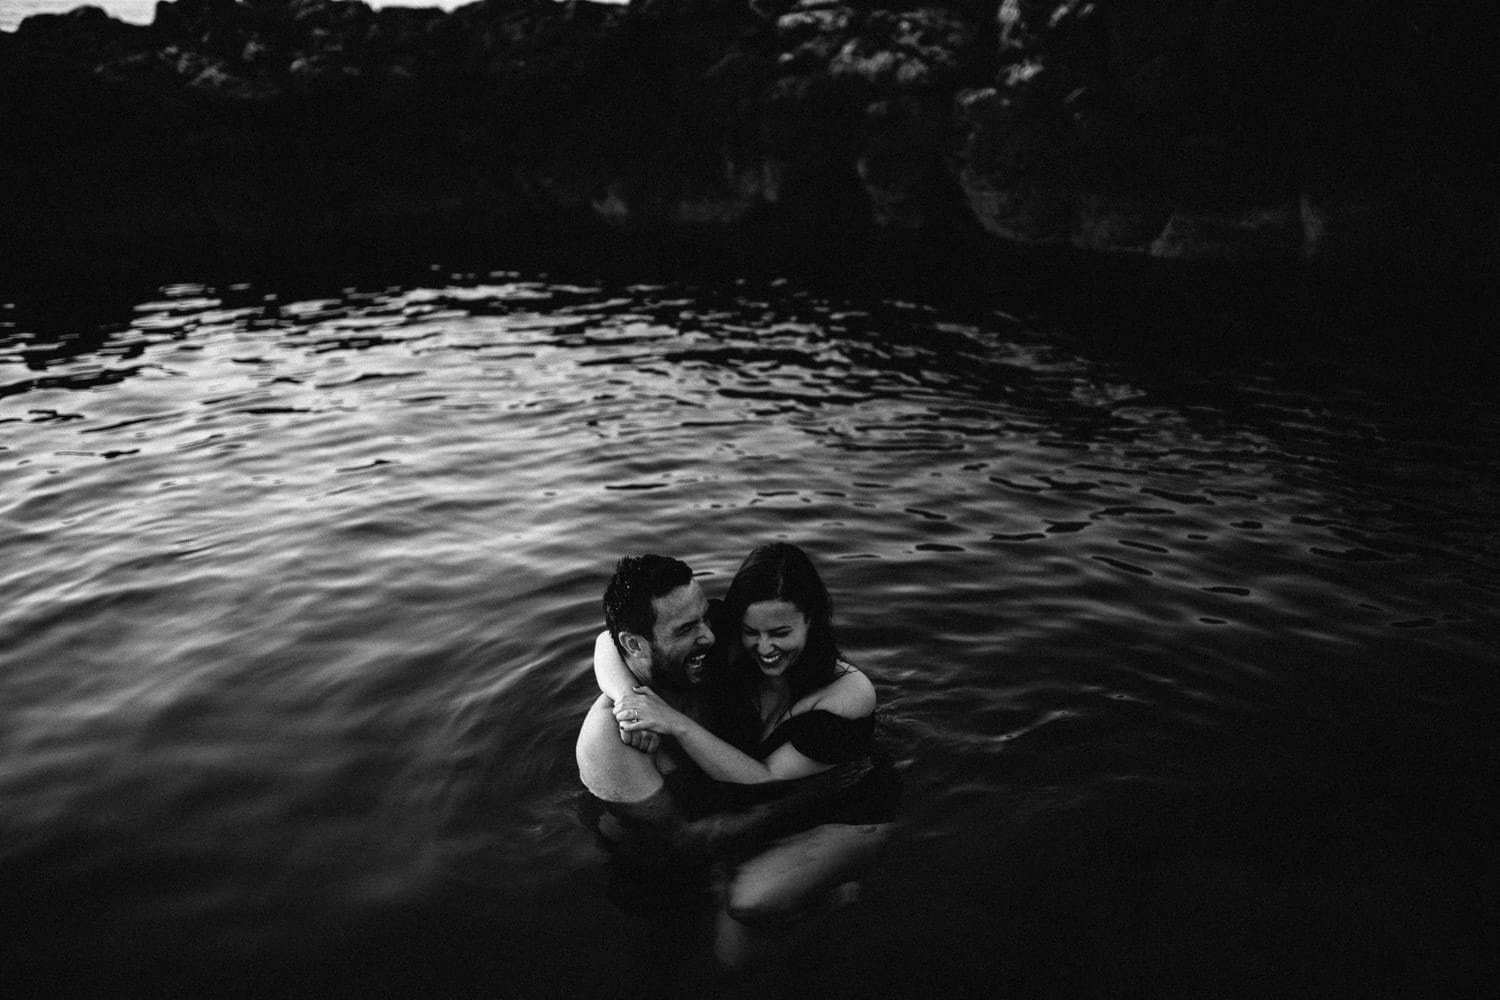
x: 1258, y: 131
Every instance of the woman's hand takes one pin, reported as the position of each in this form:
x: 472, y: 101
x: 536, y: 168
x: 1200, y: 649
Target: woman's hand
x: 644, y: 709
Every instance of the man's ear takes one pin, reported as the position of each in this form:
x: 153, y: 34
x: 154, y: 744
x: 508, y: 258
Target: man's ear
x: 633, y: 644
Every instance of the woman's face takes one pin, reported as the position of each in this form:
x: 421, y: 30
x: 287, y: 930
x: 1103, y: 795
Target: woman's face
x: 774, y: 633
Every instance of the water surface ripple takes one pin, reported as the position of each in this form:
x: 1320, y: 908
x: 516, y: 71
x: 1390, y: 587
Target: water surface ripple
x: 1188, y: 666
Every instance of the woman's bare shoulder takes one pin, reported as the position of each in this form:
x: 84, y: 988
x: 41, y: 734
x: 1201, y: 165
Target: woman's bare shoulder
x: 850, y: 694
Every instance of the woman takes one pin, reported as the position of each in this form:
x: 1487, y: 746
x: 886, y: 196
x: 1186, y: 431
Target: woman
x: 814, y: 710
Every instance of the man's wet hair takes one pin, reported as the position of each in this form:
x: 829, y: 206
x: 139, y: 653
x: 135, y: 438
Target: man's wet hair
x: 639, y: 580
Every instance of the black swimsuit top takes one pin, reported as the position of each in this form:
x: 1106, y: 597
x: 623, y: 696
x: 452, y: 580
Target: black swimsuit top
x: 823, y: 736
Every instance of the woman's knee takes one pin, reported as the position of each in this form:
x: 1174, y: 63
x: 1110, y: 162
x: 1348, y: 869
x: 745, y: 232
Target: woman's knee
x: 793, y: 879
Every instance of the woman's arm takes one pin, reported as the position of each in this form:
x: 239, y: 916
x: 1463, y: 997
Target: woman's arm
x: 643, y: 709
x: 616, y: 680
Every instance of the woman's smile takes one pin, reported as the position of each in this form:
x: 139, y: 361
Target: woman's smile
x: 774, y: 633
x: 770, y: 660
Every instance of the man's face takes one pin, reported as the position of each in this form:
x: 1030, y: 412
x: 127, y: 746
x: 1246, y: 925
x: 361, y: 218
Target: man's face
x: 681, y: 640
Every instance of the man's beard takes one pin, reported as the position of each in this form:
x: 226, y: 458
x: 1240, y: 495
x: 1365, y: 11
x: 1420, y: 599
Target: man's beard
x: 678, y: 676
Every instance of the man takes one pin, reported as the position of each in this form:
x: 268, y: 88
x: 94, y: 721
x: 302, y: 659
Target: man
x: 657, y: 616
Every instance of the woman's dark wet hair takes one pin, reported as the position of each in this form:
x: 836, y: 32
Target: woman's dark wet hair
x: 780, y: 571
x: 638, y: 580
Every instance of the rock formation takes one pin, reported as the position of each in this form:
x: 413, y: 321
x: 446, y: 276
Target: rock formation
x: 1255, y: 131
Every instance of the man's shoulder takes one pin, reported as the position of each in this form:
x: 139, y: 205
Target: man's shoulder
x: 611, y: 769
x: 598, y: 737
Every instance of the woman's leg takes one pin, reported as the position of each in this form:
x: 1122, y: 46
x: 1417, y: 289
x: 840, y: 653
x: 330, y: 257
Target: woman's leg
x: 792, y: 878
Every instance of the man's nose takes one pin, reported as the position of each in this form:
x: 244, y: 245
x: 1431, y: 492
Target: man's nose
x: 705, y: 635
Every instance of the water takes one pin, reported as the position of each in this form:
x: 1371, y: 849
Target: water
x: 1187, y: 658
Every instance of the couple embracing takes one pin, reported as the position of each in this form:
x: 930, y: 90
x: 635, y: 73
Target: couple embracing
x: 733, y: 732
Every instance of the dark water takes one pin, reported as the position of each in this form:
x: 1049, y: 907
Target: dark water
x: 1188, y: 660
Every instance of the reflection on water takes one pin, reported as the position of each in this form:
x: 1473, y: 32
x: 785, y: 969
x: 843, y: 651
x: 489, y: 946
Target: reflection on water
x: 1189, y: 664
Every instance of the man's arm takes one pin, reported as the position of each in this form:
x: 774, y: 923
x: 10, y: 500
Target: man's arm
x: 653, y: 830
x: 610, y: 672
x: 615, y: 680
x: 792, y: 805
x: 615, y: 772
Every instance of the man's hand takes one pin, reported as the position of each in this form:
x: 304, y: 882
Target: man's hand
x: 641, y: 739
